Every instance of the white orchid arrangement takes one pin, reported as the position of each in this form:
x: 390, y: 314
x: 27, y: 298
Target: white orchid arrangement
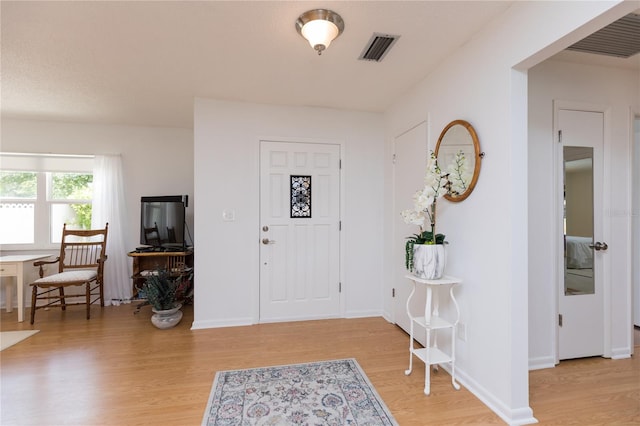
x: 436, y: 185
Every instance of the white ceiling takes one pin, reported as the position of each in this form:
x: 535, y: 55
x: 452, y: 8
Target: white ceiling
x: 142, y: 63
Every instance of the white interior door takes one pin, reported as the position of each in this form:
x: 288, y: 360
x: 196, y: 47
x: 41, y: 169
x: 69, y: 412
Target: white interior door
x: 581, y: 298
x: 410, y: 162
x: 299, y: 231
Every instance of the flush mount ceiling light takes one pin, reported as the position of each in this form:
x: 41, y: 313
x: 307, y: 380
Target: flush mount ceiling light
x: 320, y: 27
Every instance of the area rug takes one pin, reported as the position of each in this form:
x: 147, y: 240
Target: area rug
x: 321, y: 393
x: 10, y: 338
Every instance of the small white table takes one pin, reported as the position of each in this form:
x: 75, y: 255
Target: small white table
x: 13, y: 266
x: 431, y: 321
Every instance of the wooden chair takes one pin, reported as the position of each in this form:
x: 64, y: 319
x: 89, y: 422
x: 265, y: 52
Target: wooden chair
x: 152, y: 236
x: 171, y: 234
x: 81, y: 263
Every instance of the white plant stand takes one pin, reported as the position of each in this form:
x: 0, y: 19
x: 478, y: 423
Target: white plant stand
x: 431, y: 355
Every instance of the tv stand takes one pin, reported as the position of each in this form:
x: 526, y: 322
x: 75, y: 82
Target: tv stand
x: 146, y: 262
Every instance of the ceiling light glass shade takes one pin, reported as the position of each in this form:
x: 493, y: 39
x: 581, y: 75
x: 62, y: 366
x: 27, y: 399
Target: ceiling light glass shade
x: 320, y: 33
x: 320, y: 27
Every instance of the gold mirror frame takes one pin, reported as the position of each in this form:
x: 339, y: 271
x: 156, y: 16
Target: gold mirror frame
x: 459, y: 135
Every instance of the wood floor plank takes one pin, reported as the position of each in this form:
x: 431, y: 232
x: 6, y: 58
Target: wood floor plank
x: 117, y: 369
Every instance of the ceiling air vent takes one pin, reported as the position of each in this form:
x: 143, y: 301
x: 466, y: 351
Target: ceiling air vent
x: 620, y: 38
x: 378, y: 46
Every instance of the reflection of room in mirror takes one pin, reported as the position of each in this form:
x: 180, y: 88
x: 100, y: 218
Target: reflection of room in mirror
x: 578, y: 281
x: 455, y: 161
x: 579, y: 252
x: 578, y: 194
x: 578, y: 278
x: 578, y: 220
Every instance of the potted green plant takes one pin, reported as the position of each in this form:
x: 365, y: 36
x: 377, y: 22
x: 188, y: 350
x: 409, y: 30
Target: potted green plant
x: 423, y: 238
x: 161, y: 290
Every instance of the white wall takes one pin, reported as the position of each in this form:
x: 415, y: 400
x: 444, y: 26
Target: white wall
x: 155, y: 160
x: 227, y: 136
x: 488, y: 231
x: 618, y: 90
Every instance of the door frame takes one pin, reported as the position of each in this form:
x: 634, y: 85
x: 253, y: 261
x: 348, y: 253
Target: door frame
x: 341, y: 239
x: 558, y: 267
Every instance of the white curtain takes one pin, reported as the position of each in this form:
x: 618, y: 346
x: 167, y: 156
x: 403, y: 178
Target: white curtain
x: 109, y: 206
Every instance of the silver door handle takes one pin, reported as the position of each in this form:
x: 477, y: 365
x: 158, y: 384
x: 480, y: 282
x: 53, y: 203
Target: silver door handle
x: 268, y: 241
x: 599, y: 246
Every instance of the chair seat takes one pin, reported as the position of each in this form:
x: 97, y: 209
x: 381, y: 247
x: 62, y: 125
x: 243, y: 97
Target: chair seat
x: 67, y: 277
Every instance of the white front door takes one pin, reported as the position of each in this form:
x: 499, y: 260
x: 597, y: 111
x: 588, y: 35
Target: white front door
x: 299, y: 231
x: 410, y: 161
x: 581, y: 286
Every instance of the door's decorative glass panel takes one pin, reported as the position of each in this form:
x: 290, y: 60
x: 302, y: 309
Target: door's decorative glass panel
x: 578, y: 221
x: 301, y: 196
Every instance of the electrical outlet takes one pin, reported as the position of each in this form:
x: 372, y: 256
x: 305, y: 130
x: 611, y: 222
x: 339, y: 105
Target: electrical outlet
x: 462, y: 331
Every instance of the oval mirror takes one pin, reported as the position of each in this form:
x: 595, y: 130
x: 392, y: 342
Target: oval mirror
x: 458, y: 152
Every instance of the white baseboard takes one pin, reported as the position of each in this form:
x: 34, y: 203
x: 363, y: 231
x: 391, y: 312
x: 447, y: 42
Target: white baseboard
x: 229, y: 322
x: 515, y: 417
x: 363, y: 314
x: 235, y: 322
x: 621, y: 353
x: 541, y: 363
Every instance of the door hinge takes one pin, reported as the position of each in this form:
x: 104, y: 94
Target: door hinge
x: 339, y: 287
x: 394, y: 159
x: 560, y: 320
x: 393, y: 292
x: 340, y: 225
x: 340, y: 164
x: 559, y: 136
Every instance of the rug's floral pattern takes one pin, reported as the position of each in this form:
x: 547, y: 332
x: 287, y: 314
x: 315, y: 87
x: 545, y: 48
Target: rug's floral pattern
x: 322, y: 393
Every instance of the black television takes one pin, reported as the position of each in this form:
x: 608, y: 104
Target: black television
x: 162, y: 221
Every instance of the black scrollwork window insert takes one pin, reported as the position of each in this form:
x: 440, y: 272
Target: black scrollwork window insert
x: 300, y: 196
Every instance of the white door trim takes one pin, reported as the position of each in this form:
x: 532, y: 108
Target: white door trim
x: 341, y: 144
x: 558, y: 266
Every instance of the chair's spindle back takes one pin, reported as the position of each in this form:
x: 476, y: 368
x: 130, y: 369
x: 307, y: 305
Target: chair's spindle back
x: 82, y: 249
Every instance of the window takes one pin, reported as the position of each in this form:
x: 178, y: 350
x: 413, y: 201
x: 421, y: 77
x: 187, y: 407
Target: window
x: 69, y: 199
x: 35, y: 203
x: 18, y: 196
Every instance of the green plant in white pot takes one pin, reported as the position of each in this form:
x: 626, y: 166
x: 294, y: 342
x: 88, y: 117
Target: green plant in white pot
x: 424, y: 251
x: 160, y: 290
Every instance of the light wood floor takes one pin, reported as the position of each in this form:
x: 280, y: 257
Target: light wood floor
x: 117, y: 369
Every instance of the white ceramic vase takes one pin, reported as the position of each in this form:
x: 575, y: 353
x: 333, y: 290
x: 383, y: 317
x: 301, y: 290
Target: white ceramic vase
x: 429, y: 261
x: 167, y: 318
